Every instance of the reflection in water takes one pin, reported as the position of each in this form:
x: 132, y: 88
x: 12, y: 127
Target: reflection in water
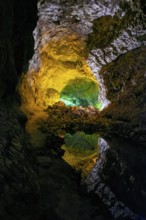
x: 81, y: 151
x: 114, y: 170
x: 108, y: 172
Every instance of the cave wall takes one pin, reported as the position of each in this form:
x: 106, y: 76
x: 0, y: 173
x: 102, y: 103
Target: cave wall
x: 102, y: 40
x: 18, y: 19
x: 117, y: 59
x: 18, y: 182
x: 94, y: 33
x: 126, y: 87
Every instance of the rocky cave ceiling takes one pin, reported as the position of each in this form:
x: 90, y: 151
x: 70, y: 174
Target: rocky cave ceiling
x: 73, y: 40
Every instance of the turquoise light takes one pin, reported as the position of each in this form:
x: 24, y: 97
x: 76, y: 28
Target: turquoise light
x: 81, y: 92
x: 81, y: 141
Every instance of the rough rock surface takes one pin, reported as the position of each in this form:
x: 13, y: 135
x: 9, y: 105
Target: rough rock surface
x: 16, y: 42
x: 24, y: 195
x: 114, y: 178
x: 19, y: 191
x: 19, y: 187
x: 113, y: 39
x: 98, y: 33
x: 61, y: 196
x: 126, y: 89
x: 109, y: 28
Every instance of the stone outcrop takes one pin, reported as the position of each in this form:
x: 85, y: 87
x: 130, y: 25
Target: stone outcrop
x: 126, y: 89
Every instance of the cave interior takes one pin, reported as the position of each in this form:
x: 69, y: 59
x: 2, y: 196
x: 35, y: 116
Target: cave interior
x: 73, y: 110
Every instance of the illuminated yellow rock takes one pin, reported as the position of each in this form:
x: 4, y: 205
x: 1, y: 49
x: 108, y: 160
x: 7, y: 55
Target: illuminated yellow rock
x: 61, y: 60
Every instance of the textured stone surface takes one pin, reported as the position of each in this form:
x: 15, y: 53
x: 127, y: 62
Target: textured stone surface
x: 62, y: 62
x: 110, y: 37
x: 87, y: 33
x: 19, y: 187
x: 19, y: 191
x: 16, y: 42
x: 119, y: 26
x: 126, y: 88
x: 61, y: 194
x: 115, y: 172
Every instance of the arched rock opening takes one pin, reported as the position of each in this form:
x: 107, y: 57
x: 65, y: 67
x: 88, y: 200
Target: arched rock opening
x: 63, y: 75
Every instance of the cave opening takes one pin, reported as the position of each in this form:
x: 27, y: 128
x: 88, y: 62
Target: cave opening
x: 62, y: 97
x: 81, y: 92
x: 62, y: 75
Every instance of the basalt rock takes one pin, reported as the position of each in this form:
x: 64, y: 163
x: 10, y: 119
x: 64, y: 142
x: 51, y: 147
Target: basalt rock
x: 126, y: 89
x: 18, y: 19
x: 19, y: 188
x: 78, y: 36
x: 97, y: 31
x: 114, y: 179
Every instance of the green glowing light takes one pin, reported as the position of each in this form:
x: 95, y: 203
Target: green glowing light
x: 81, y: 142
x: 81, y: 151
x: 81, y: 91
